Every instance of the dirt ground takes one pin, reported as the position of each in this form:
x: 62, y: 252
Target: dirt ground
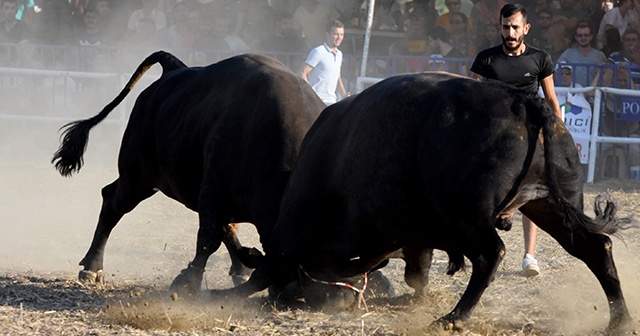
x: 47, y: 223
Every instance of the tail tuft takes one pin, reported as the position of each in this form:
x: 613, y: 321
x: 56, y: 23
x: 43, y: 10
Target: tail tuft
x: 69, y: 157
x: 609, y: 224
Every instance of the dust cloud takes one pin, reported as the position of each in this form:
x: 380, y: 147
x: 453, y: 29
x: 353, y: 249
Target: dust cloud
x: 47, y: 221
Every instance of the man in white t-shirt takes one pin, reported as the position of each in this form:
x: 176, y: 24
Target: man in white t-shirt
x: 322, y: 67
x: 620, y: 17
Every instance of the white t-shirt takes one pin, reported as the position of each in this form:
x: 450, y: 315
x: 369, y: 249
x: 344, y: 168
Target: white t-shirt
x: 615, y: 19
x: 326, y: 72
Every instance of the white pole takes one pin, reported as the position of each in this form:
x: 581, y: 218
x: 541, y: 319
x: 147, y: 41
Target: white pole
x: 367, y: 37
x: 593, y: 142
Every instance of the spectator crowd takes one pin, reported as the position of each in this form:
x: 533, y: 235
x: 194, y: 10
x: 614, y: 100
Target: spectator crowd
x: 593, y: 42
x: 116, y: 34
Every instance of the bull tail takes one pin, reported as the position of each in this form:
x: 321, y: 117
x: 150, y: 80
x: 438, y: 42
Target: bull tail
x: 69, y: 156
x: 605, y: 221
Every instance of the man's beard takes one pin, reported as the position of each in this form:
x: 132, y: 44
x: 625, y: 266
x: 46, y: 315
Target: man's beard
x: 518, y: 43
x: 584, y: 45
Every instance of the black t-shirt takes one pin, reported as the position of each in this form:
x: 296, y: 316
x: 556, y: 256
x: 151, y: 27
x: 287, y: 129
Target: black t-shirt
x: 524, y: 71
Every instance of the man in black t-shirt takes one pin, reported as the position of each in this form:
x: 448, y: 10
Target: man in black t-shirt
x: 527, y: 68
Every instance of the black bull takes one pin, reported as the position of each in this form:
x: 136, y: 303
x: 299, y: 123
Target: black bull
x: 426, y: 161
x: 221, y: 139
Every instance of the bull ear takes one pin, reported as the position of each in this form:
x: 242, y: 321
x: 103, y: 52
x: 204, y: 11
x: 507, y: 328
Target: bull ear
x: 250, y: 257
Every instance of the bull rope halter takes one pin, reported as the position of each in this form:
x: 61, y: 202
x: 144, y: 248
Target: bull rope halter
x: 360, y: 291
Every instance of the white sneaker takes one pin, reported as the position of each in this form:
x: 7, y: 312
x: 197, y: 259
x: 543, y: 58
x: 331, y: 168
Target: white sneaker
x: 530, y: 266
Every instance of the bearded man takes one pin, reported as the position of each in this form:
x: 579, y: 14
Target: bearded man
x: 527, y: 68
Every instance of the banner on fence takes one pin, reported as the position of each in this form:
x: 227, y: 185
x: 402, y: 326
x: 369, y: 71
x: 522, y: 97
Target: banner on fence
x: 577, y: 118
x: 630, y: 108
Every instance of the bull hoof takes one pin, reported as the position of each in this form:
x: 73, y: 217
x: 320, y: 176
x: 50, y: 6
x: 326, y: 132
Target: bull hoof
x: 619, y: 325
x: 187, y: 283
x: 504, y: 224
x: 449, y: 322
x: 86, y: 276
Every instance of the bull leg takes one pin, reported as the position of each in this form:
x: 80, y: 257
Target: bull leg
x: 416, y: 270
x: 115, y: 204
x: 595, y: 250
x: 238, y: 271
x: 212, y: 224
x: 485, y: 250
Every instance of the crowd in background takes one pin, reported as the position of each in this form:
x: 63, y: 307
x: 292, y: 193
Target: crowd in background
x: 593, y: 42
x: 127, y: 30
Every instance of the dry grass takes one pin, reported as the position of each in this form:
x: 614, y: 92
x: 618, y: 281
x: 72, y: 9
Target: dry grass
x: 39, y: 294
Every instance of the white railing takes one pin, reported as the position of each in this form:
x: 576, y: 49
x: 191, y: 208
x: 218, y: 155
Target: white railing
x: 70, y: 93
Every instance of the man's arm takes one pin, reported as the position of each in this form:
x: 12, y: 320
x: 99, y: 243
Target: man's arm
x: 548, y: 88
x: 476, y: 76
x: 306, y: 69
x: 341, y: 88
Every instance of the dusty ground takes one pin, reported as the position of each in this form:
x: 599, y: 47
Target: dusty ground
x: 47, y: 222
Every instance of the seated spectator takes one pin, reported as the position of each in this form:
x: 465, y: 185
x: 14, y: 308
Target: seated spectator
x: 110, y: 20
x: 439, y: 44
x: 12, y: 30
x: 572, y: 104
x: 27, y: 57
x: 138, y: 45
x: 548, y: 35
x: 491, y: 37
x: 414, y: 42
x: 583, y: 53
x: 254, y: 17
x: 216, y: 40
x: 427, y: 9
x: 388, y: 15
x: 95, y: 45
x: 534, y: 7
x: 539, y: 34
x: 91, y: 32
x: 348, y: 10
x: 148, y: 10
x: 485, y: 12
x: 619, y: 18
x: 415, y: 39
x: 568, y: 15
x: 311, y: 18
x: 184, y: 30
x: 629, y: 55
x: 612, y: 42
x: 437, y: 63
x: 460, y: 38
x: 284, y: 38
x: 444, y: 20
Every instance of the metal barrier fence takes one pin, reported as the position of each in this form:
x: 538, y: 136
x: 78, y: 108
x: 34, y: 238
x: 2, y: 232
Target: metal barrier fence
x: 63, y: 96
